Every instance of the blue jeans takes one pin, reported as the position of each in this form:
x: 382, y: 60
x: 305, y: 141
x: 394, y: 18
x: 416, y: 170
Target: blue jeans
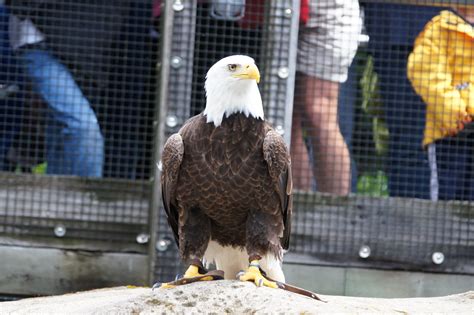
x: 455, y: 166
x: 74, y: 142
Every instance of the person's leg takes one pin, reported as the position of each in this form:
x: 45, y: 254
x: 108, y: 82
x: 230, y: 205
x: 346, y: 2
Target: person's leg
x: 469, y: 190
x: 326, y: 47
x: 301, y: 166
x: 346, y: 116
x: 332, y: 160
x: 75, y: 143
x: 452, y: 162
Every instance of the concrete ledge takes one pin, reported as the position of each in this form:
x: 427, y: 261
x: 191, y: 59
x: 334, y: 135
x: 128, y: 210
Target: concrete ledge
x: 45, y: 271
x: 375, y: 283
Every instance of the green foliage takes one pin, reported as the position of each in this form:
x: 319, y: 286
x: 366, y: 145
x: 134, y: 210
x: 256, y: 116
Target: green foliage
x: 370, y: 103
x: 373, y: 184
x: 37, y: 169
x: 40, y: 168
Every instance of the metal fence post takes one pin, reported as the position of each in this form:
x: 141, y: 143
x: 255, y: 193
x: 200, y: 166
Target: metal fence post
x: 174, y: 108
x: 159, y: 129
x: 280, y: 46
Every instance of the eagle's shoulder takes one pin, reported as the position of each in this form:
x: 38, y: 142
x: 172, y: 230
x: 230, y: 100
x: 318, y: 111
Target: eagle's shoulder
x: 275, y: 153
x: 192, y: 124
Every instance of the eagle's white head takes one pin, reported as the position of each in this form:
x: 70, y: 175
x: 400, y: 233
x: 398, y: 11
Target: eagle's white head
x: 231, y: 87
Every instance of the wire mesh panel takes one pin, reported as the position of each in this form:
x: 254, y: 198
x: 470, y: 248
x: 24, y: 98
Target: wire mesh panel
x: 76, y: 115
x: 386, y: 233
x: 382, y: 177
x: 382, y: 110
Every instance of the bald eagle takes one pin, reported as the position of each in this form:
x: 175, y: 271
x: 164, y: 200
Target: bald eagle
x: 226, y: 180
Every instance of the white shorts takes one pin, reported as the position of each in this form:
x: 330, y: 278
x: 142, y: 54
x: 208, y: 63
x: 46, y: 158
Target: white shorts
x: 328, y: 42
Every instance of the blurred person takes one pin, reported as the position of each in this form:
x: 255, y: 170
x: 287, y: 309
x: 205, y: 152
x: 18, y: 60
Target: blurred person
x: 10, y: 96
x: 441, y: 70
x: 74, y: 140
x: 66, y: 50
x: 327, y: 44
x: 392, y: 29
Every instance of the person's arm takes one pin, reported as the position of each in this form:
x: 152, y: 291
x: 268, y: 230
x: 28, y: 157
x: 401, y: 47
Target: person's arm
x: 431, y: 77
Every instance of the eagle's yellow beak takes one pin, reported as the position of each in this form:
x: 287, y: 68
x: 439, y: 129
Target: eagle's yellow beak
x: 249, y: 72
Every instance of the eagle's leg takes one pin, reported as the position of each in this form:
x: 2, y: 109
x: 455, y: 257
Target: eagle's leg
x: 196, y: 269
x: 195, y: 272
x: 261, y: 239
x: 194, y: 236
x: 254, y: 274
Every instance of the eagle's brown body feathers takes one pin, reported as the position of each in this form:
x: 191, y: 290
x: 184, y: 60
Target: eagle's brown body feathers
x: 230, y: 183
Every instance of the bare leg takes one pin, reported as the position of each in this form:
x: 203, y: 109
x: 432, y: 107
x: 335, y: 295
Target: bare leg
x: 332, y: 169
x: 301, y: 168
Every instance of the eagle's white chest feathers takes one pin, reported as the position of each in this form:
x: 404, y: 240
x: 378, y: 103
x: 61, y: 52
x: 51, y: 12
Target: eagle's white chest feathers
x: 231, y: 260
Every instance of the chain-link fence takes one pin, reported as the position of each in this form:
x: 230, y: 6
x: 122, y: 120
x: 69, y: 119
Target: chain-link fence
x: 375, y: 98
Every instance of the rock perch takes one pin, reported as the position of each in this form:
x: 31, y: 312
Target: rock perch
x: 228, y: 297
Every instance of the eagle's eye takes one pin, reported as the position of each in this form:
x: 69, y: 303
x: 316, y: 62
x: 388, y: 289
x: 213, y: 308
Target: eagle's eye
x: 232, y: 67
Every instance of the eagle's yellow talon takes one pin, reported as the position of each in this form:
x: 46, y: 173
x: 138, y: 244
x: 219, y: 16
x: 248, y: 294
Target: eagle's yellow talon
x: 193, y: 271
x: 254, y: 274
x: 167, y: 286
x: 207, y: 278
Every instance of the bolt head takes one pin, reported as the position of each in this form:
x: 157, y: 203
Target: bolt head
x: 176, y: 62
x: 283, y: 72
x: 364, y: 251
x: 171, y: 121
x: 142, y: 238
x: 438, y: 258
x: 178, y: 6
x: 162, y: 244
x: 60, y: 230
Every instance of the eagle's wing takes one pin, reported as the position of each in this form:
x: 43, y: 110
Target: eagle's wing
x: 278, y: 160
x: 171, y: 159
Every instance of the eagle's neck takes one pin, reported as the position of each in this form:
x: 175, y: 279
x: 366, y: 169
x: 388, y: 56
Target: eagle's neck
x: 225, y: 99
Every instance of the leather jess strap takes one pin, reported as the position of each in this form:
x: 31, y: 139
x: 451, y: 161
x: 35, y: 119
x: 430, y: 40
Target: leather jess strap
x: 297, y: 290
x: 293, y: 289
x: 211, y: 275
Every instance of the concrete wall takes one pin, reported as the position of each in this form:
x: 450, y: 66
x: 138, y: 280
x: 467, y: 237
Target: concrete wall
x: 375, y: 283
